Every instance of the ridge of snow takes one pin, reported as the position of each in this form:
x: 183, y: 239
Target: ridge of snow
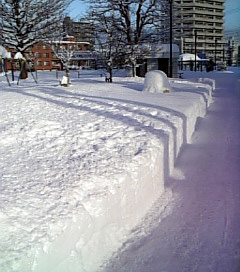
x: 81, y: 166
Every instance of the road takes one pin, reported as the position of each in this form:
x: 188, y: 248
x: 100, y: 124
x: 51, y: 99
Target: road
x: 202, y: 233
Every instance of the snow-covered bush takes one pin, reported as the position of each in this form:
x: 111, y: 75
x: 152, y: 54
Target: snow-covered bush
x: 156, y: 82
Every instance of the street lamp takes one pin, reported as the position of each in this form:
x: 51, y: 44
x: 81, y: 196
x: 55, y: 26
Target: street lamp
x: 171, y: 40
x: 215, y: 52
x: 109, y: 69
x: 171, y: 53
x: 195, y: 49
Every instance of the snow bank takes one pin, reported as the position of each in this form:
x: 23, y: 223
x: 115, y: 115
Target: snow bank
x: 156, y: 81
x: 80, y: 167
x: 3, y: 52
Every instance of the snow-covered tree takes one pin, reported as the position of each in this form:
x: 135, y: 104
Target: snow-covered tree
x: 124, y: 25
x: 25, y: 22
x: 63, y: 53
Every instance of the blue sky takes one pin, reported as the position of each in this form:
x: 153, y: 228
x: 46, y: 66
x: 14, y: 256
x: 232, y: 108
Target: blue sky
x: 232, y: 10
x: 232, y: 15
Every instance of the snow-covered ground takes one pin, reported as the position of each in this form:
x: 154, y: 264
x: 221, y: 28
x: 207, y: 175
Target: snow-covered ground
x: 81, y: 166
x: 200, y: 229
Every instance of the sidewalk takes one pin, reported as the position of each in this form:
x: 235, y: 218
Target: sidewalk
x: 203, y: 231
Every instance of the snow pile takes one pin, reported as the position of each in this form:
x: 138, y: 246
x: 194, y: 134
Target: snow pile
x: 156, y: 82
x: 202, y: 230
x: 209, y: 81
x: 80, y: 167
x: 3, y: 52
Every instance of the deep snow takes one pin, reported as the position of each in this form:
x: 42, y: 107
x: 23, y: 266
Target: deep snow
x: 202, y: 232
x: 81, y: 166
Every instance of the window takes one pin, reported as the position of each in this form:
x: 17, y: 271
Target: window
x: 38, y: 55
x: 45, y: 55
x: 39, y: 63
x: 55, y: 63
x: 46, y: 63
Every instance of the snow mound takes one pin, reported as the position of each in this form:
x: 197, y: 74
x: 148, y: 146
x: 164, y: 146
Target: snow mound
x: 156, y: 82
x: 3, y: 52
x: 81, y: 166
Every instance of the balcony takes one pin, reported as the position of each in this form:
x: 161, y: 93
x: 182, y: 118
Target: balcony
x: 207, y: 5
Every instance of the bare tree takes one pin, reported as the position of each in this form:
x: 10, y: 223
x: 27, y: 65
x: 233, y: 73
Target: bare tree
x: 125, y: 25
x: 25, y: 22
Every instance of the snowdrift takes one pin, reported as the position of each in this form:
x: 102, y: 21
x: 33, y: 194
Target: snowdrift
x: 81, y: 166
x: 156, y: 82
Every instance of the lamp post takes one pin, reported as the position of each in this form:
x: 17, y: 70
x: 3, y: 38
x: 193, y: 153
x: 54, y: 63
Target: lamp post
x: 195, y: 50
x: 215, y: 52
x: 171, y: 53
x: 1, y: 23
x: 109, y: 69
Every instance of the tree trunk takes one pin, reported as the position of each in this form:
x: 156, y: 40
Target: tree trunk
x: 24, y: 72
x: 133, y: 69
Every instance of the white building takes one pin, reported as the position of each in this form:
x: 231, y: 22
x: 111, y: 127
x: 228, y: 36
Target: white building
x: 159, y: 59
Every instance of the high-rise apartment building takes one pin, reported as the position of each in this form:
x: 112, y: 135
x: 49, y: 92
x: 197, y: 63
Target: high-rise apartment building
x: 200, y: 26
x: 82, y: 31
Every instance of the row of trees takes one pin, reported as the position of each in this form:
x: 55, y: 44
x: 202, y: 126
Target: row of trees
x: 123, y: 28
x: 26, y: 22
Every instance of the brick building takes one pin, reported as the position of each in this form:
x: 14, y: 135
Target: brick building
x: 42, y: 56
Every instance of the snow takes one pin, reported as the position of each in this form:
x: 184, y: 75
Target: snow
x: 202, y: 231
x: 165, y: 48
x: 3, y: 52
x: 156, y: 82
x: 18, y: 55
x: 188, y: 57
x: 82, y: 166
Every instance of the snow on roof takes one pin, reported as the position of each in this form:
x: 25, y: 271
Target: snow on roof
x: 164, y: 48
x: 19, y: 55
x: 160, y: 50
x: 71, y: 42
x: 188, y: 57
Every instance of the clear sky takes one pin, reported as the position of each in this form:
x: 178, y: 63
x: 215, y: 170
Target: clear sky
x: 232, y: 13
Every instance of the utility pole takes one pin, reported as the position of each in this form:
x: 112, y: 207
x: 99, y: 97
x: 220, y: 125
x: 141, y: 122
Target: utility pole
x: 215, y: 52
x: 195, y: 50
x: 1, y: 23
x: 171, y: 39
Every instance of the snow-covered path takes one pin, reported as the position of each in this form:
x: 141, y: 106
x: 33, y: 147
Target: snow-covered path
x: 203, y: 231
